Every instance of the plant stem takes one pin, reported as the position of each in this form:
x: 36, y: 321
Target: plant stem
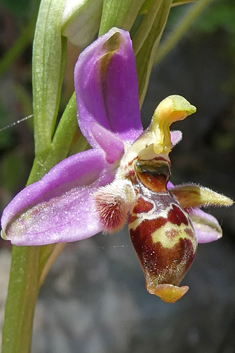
x: 17, y: 329
x: 30, y: 265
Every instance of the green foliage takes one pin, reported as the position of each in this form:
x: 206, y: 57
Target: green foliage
x: 146, y: 41
x: 219, y: 15
x: 218, y: 20
x: 49, y: 58
x: 21, y: 8
x: 121, y: 14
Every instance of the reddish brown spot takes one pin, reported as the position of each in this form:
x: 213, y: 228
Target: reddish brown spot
x: 161, y: 159
x: 142, y: 206
x: 153, y: 182
x: 190, y: 232
x: 149, y: 226
x: 177, y: 216
x: 173, y: 233
x: 132, y: 218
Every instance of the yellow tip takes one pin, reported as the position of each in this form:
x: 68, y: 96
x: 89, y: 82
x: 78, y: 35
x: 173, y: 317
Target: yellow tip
x: 170, y: 293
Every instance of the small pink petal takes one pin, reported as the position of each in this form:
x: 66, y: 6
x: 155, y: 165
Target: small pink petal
x: 176, y: 137
x: 206, y: 226
x: 109, y: 142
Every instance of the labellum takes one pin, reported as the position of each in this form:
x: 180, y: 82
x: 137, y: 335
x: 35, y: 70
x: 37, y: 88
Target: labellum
x: 161, y: 231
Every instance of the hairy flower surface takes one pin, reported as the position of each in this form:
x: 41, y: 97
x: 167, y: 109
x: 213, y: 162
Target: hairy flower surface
x: 125, y: 175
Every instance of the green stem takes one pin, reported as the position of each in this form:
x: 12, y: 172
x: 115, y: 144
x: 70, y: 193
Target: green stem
x: 19, y: 46
x: 181, y: 29
x: 30, y: 265
x: 60, y: 145
x: 20, y: 304
x: 64, y: 135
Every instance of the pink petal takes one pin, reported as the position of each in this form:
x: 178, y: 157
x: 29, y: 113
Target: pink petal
x: 206, y: 226
x: 59, y: 207
x: 176, y: 137
x: 106, y: 87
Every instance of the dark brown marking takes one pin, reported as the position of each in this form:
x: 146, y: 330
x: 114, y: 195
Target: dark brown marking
x: 154, y: 173
x: 173, y: 233
x: 132, y: 218
x: 162, y: 159
x: 142, y: 206
x: 153, y: 182
x: 189, y: 232
x: 177, y: 216
x: 148, y: 226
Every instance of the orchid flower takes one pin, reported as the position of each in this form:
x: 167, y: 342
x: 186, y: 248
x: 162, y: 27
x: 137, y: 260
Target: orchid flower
x: 125, y: 174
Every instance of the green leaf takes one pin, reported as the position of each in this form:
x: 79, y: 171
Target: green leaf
x: 61, y: 143
x: 182, y: 2
x: 143, y: 32
x: 148, y: 3
x: 119, y: 13
x: 145, y: 47
x: 145, y: 7
x: 49, y: 57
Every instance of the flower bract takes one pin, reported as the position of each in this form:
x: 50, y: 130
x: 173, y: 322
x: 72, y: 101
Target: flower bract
x: 80, y: 20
